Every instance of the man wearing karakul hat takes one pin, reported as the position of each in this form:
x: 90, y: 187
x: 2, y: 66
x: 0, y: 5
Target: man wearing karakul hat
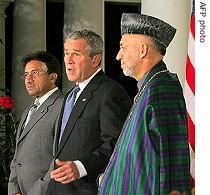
x: 151, y: 156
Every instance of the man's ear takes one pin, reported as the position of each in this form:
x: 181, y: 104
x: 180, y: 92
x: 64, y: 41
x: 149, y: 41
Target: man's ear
x: 53, y: 77
x: 96, y: 59
x: 143, y: 51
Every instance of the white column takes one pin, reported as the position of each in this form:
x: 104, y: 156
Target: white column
x: 3, y: 5
x: 177, y: 13
x: 29, y: 35
x: 80, y: 14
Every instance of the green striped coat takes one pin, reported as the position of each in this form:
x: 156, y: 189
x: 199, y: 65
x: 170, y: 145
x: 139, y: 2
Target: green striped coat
x: 152, y: 155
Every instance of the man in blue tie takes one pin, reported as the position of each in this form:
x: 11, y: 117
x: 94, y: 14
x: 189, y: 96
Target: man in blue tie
x: 85, y: 141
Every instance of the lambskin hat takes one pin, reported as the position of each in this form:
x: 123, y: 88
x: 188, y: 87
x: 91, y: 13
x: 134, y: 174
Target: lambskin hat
x: 134, y: 23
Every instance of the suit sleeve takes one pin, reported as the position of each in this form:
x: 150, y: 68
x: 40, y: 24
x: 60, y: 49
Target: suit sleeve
x: 40, y: 186
x: 113, y: 112
x: 13, y: 186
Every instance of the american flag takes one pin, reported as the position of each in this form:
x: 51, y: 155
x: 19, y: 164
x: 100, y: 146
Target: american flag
x: 189, y: 91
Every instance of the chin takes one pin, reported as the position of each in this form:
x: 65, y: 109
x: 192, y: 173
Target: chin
x: 70, y: 78
x: 128, y: 73
x: 30, y: 92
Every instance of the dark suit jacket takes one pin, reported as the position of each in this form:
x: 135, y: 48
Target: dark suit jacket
x: 34, y: 144
x: 91, y: 133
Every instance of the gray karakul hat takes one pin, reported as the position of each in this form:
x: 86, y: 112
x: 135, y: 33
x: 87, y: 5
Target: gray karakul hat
x: 134, y: 23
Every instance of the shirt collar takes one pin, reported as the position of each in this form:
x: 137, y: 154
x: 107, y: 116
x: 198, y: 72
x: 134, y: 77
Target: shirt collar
x: 83, y: 84
x: 141, y: 81
x: 45, y: 96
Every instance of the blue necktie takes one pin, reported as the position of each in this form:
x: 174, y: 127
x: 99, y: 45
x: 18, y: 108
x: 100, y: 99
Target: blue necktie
x: 68, y: 108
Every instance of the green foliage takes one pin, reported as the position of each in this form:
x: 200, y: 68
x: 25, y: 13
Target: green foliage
x: 7, y: 140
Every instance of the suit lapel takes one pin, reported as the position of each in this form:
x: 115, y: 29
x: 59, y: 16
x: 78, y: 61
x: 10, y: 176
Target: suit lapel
x: 42, y: 110
x: 83, y: 99
x: 77, y: 110
x: 21, y: 124
x: 35, y: 118
x: 58, y: 125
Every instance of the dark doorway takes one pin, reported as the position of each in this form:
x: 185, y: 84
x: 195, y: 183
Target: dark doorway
x: 54, y: 29
x: 113, y: 12
x: 54, y: 34
x: 8, y: 46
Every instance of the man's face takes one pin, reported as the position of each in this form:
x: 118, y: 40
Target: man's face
x: 37, y: 81
x: 79, y: 65
x: 129, y: 55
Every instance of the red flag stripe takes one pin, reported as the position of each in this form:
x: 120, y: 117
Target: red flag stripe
x: 192, y: 26
x: 190, y: 75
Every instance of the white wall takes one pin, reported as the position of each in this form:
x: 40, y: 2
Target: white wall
x: 177, y: 13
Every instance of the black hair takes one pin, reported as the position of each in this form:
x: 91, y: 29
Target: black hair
x: 160, y: 47
x: 51, y: 62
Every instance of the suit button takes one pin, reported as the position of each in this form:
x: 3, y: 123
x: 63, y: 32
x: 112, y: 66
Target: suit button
x: 19, y: 165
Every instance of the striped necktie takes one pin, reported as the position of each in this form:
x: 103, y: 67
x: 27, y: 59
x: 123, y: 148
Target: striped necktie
x: 31, y: 112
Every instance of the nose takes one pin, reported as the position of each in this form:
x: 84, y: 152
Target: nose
x: 119, y: 56
x: 28, y: 79
x: 68, y: 58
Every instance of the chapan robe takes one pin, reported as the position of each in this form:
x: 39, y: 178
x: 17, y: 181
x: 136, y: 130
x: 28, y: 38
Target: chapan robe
x: 151, y: 156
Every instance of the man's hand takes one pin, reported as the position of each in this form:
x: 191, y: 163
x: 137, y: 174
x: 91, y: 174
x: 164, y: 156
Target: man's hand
x: 100, y: 178
x: 66, y: 172
x: 17, y: 193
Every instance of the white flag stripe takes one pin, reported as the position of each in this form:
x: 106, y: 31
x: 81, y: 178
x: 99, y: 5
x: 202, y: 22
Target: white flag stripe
x: 190, y: 101
x: 191, y: 50
x: 192, y: 162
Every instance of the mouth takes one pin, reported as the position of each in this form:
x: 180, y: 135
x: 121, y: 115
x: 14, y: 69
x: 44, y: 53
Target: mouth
x: 122, y: 65
x: 29, y: 87
x: 71, y: 70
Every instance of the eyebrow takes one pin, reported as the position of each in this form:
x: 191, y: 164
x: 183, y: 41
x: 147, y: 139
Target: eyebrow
x: 77, y: 50
x: 34, y: 70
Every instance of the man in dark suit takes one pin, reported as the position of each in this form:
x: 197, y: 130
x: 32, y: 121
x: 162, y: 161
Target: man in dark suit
x: 35, y: 133
x: 84, y: 145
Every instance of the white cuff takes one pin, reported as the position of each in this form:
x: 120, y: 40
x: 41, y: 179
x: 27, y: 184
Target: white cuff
x: 81, y: 169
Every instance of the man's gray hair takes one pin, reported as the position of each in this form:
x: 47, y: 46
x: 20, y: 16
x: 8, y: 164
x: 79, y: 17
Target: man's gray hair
x: 94, y: 41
